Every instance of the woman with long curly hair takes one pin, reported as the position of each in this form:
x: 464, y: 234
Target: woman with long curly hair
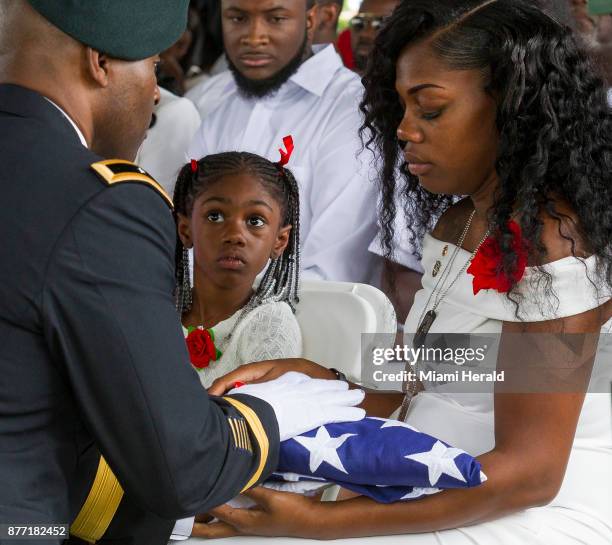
x: 500, y: 128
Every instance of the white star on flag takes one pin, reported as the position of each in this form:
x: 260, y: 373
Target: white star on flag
x: 323, y: 448
x: 392, y: 423
x: 440, y: 459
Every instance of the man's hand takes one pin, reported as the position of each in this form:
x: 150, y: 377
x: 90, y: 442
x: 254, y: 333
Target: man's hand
x: 255, y: 373
x: 301, y: 403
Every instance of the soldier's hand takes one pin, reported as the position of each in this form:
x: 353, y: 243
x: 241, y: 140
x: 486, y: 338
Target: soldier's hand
x: 301, y: 403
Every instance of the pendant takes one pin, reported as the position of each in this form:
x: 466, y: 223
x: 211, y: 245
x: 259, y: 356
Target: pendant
x: 445, y: 251
x: 424, y: 327
x: 436, y: 268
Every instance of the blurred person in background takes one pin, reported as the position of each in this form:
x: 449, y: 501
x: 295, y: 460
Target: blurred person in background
x: 175, y: 121
x: 364, y: 28
x: 594, y: 23
x: 171, y: 75
x: 206, y: 57
x: 327, y: 17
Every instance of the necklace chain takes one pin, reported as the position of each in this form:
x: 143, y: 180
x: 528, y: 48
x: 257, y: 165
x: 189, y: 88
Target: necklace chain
x: 437, y: 293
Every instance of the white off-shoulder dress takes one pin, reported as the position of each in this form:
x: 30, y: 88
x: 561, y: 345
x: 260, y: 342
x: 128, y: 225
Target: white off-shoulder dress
x: 582, y: 511
x: 268, y: 332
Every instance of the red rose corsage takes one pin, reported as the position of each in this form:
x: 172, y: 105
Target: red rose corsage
x: 201, y: 346
x: 486, y: 267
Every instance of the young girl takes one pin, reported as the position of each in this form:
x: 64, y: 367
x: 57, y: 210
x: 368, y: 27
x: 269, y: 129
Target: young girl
x: 238, y: 211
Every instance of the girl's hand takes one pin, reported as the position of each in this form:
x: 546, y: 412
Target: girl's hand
x: 276, y: 514
x: 254, y: 373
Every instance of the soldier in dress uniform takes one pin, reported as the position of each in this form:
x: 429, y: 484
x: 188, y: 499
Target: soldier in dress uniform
x: 103, y: 424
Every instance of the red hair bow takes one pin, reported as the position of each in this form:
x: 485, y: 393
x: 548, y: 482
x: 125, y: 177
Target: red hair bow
x: 286, y: 155
x: 194, y: 166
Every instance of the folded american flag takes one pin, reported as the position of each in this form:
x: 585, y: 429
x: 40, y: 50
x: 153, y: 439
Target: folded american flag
x: 386, y: 460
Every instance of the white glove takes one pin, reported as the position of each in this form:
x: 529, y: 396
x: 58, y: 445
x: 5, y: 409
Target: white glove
x: 302, y: 403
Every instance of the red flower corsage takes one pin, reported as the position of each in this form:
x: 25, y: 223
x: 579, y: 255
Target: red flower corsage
x: 486, y: 265
x: 201, y: 346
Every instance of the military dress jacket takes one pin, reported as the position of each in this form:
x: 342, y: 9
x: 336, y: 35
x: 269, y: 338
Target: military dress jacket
x: 92, y: 357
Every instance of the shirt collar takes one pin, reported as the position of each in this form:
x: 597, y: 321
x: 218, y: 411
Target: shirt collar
x: 316, y: 73
x: 74, y: 125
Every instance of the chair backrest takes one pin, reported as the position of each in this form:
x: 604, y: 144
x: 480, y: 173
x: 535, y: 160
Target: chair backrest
x: 332, y: 317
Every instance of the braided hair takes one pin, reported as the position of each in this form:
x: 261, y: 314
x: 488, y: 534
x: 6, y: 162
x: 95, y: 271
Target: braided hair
x: 281, y: 279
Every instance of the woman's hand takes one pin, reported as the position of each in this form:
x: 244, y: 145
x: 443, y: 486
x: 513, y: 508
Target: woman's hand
x: 254, y: 373
x: 276, y: 514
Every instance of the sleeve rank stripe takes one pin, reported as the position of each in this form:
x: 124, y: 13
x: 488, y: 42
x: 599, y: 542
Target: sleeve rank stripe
x: 102, y: 168
x: 240, y: 435
x: 100, y: 506
x: 245, y: 434
x: 260, y: 436
x: 232, y: 424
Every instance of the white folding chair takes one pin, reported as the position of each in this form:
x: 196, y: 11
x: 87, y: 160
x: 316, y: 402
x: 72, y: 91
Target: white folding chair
x: 332, y: 317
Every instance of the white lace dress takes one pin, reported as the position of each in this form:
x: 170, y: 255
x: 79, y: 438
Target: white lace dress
x: 582, y: 511
x: 268, y: 332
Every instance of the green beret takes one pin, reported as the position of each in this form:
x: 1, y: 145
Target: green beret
x: 125, y: 29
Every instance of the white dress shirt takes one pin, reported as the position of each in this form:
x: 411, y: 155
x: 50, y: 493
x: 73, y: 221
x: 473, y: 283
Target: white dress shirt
x: 319, y: 107
x: 162, y: 153
x: 74, y: 125
x: 404, y: 250
x: 209, y: 93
